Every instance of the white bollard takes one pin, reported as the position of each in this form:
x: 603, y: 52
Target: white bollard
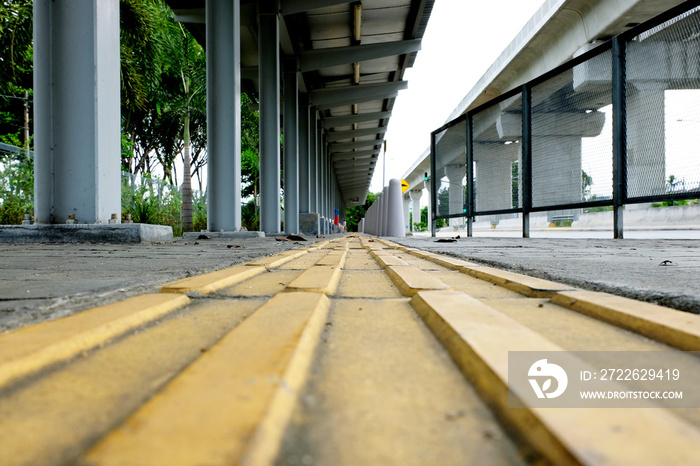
x: 395, y: 218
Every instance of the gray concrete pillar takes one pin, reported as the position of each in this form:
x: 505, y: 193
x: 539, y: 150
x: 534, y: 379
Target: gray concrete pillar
x: 415, y: 198
x: 304, y: 155
x: 76, y: 111
x: 406, y: 212
x: 494, y: 175
x: 646, y: 140
x: 556, y: 170
x: 291, y: 148
x: 269, y: 79
x: 455, y: 175
x: 223, y: 115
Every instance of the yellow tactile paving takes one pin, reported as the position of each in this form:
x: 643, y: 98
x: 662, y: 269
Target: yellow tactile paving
x: 58, y: 416
x: 278, y: 259
x: 474, y: 334
x: 30, y: 349
x: 318, y: 279
x: 411, y: 280
x: 213, y: 281
x: 529, y: 286
x: 380, y: 389
x: 386, y: 393
x: 266, y: 284
x: 208, y: 413
x: 675, y: 328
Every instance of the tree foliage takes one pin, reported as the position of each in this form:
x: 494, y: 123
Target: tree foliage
x: 354, y: 214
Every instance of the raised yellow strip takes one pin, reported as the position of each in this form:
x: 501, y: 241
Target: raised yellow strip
x: 211, y: 410
x: 479, y: 338
x: 411, y: 280
x: 31, y: 349
x: 278, y: 259
x: 334, y: 258
x: 265, y: 445
x: 523, y: 284
x: 385, y: 259
x: 213, y: 281
x: 317, y: 279
x: 675, y: 328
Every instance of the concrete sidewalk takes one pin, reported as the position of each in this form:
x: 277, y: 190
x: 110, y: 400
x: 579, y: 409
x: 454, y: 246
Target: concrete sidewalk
x: 46, y: 281
x: 655, y: 270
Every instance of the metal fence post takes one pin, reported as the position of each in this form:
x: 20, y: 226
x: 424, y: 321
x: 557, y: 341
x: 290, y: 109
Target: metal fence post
x: 470, y: 175
x: 433, y: 187
x: 619, y: 99
x: 527, y: 158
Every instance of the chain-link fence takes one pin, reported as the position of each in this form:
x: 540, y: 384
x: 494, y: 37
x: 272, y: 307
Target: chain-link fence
x: 616, y: 125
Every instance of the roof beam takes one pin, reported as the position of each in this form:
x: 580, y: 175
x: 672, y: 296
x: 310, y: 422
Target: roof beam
x: 289, y: 7
x: 312, y: 60
x: 330, y: 122
x: 334, y: 136
x: 365, y: 154
x: 355, y: 163
x: 354, y: 94
x: 339, y: 147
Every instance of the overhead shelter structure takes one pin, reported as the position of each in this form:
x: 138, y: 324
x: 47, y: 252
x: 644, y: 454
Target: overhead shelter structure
x: 331, y: 69
x: 325, y: 73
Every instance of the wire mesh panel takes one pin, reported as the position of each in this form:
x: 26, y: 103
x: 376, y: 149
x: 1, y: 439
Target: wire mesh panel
x: 572, y: 135
x: 450, y: 171
x: 497, y: 133
x: 663, y: 109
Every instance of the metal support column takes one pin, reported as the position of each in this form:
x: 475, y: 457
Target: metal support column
x: 269, y: 74
x: 304, y: 154
x: 313, y: 160
x: 76, y: 111
x: 619, y: 76
x: 223, y: 115
x: 470, y: 175
x: 527, y: 158
x: 291, y: 147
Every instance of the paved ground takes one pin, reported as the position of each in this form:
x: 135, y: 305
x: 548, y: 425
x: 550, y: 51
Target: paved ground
x: 354, y: 350
x: 44, y: 281
x: 661, y: 271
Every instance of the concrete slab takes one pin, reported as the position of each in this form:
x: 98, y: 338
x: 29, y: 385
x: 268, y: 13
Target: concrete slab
x: 96, y: 233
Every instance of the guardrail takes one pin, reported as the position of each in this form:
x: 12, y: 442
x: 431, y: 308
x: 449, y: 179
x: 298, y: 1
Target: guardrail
x: 614, y: 126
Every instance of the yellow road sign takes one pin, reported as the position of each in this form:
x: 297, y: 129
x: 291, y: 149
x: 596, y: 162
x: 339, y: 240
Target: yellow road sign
x: 404, y: 186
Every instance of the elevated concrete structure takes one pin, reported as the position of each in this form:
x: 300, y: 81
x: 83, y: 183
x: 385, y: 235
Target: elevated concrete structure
x: 559, y: 31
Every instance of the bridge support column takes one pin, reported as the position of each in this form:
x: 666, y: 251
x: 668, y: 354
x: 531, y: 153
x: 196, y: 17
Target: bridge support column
x: 646, y: 141
x: 77, y: 111
x: 223, y: 116
x: 406, y: 212
x: 415, y: 197
x: 455, y: 175
x: 556, y: 170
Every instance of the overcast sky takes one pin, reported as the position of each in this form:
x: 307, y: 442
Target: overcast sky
x: 463, y: 38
